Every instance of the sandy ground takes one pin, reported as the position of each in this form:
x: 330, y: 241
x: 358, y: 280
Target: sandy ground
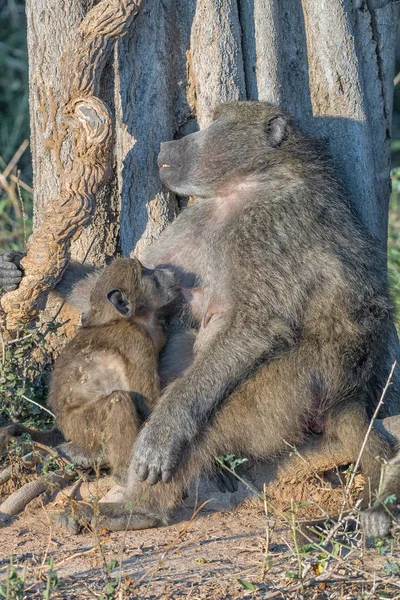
x: 221, y: 553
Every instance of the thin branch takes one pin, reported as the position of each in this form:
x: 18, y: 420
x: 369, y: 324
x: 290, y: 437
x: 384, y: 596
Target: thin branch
x: 374, y: 416
x: 39, y: 405
x: 15, y: 158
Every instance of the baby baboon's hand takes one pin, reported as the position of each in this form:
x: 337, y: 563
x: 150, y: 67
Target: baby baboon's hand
x: 157, y: 451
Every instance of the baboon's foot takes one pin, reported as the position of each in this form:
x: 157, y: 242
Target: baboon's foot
x: 114, y: 516
x: 76, y: 517
x: 377, y: 521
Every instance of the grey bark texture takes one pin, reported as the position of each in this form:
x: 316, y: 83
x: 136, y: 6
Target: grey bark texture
x: 330, y: 63
x: 52, y: 28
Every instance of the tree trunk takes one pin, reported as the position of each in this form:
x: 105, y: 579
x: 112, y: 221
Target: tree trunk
x: 329, y: 63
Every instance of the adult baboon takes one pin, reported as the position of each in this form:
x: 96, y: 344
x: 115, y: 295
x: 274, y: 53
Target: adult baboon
x: 296, y: 312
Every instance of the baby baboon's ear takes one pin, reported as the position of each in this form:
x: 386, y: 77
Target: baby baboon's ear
x: 120, y: 302
x: 276, y: 130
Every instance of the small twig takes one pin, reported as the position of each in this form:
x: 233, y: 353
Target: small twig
x: 54, y: 453
x: 46, y: 552
x: 84, y: 553
x: 3, y: 348
x: 15, y: 158
x: 294, y: 533
x: 39, y: 405
x: 3, y: 178
x: 16, y: 341
x: 19, y: 181
x: 265, y: 565
x: 21, y: 201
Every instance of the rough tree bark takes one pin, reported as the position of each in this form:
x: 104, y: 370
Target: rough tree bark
x: 329, y: 62
x: 88, y: 165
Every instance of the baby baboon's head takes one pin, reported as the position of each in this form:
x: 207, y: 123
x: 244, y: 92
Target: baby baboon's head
x: 126, y: 289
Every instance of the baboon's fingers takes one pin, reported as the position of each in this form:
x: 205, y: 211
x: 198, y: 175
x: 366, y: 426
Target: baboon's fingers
x: 74, y: 518
x: 68, y: 523
x: 166, y: 475
x: 142, y: 472
x: 153, y: 476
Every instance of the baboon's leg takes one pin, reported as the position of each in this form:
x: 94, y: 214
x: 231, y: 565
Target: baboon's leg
x: 106, y: 429
x: 341, y: 443
x: 255, y: 428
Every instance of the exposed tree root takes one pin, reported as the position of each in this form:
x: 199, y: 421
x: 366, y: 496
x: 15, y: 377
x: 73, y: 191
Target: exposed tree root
x: 19, y: 499
x: 90, y: 164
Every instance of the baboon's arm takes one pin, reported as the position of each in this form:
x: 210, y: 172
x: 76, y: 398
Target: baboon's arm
x: 187, y: 404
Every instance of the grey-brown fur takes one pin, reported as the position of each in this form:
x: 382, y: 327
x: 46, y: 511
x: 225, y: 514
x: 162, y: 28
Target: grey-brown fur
x: 295, y: 310
x: 105, y: 381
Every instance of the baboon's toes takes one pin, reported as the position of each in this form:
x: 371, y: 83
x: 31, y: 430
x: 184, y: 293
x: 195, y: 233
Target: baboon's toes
x: 67, y: 522
x: 74, y: 519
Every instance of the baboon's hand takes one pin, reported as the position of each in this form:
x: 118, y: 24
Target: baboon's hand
x: 10, y: 271
x: 157, y: 451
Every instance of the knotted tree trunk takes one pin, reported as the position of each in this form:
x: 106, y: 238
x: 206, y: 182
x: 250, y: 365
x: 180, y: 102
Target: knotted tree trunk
x: 329, y: 63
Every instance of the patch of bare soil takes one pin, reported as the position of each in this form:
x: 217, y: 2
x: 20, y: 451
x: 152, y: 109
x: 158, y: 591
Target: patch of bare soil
x: 237, y: 546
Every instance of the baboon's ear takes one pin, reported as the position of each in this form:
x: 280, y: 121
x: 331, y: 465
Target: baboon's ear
x: 276, y: 131
x: 120, y: 302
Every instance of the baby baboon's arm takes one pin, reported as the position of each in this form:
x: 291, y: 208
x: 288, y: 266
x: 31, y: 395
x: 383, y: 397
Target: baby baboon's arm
x: 75, y: 285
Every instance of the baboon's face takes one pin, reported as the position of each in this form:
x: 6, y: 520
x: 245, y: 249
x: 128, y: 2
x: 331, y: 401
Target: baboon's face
x: 244, y: 139
x: 127, y: 289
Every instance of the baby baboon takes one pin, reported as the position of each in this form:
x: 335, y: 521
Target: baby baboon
x: 377, y: 520
x: 105, y: 381
x: 295, y: 309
